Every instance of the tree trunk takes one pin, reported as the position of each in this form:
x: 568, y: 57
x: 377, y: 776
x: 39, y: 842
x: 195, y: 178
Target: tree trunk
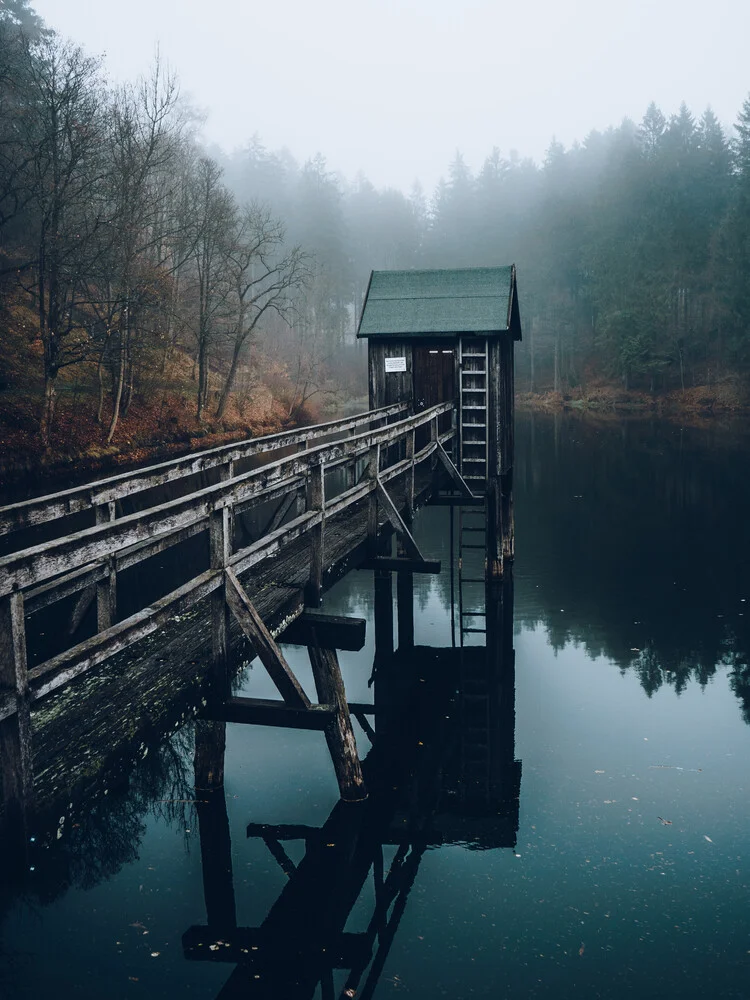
x: 48, y: 410
x: 224, y: 400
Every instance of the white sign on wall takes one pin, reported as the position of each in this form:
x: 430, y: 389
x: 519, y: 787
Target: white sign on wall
x: 395, y: 364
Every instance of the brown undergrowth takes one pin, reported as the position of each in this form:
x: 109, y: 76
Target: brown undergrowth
x: 159, y: 423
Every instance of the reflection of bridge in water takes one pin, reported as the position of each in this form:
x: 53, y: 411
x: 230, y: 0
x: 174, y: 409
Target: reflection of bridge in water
x: 442, y: 770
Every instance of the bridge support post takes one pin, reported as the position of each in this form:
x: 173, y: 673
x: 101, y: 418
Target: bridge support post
x: 316, y: 502
x: 373, y: 468
x: 106, y: 589
x: 339, y: 734
x: 220, y: 549
x: 15, y: 731
x: 409, y: 498
x: 509, y: 543
x: 213, y: 826
x: 494, y: 500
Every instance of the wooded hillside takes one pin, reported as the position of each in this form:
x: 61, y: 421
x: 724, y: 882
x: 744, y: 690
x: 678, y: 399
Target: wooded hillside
x: 142, y: 277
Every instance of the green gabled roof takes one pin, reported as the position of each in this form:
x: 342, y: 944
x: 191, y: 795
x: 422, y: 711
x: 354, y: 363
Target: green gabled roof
x: 440, y: 302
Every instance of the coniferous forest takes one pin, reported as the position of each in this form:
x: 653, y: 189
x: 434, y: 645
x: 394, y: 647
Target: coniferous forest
x: 155, y: 290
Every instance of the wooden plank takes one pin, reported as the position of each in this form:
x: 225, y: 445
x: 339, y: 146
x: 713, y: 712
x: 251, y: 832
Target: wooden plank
x: 268, y: 712
x: 396, y: 520
x: 401, y: 565
x: 266, y: 648
x: 332, y: 631
x: 72, y: 501
x: 339, y: 734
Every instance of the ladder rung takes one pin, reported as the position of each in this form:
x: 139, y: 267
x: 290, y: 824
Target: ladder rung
x: 472, y: 546
x: 473, y: 355
x: 472, y: 407
x: 483, y: 426
x: 473, y: 371
x: 474, y: 461
x: 480, y: 530
x: 472, y: 579
x: 474, y: 614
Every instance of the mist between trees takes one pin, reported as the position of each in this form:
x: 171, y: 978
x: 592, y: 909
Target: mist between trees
x: 137, y: 270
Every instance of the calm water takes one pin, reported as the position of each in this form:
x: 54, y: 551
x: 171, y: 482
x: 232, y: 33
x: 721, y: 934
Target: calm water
x: 621, y: 866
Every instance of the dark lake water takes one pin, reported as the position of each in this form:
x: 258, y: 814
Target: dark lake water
x: 606, y: 853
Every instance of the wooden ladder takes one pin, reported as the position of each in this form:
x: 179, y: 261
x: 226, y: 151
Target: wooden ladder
x: 473, y: 403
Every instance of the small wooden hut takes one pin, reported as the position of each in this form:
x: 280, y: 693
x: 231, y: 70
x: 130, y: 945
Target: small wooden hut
x: 442, y: 335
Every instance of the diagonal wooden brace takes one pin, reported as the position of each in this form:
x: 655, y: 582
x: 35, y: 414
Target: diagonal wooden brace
x: 412, y: 549
x: 270, y: 655
x: 453, y: 472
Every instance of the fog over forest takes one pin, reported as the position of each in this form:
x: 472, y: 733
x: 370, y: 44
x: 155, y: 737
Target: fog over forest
x: 141, y: 266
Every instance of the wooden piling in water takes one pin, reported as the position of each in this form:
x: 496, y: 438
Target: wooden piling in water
x: 339, y: 734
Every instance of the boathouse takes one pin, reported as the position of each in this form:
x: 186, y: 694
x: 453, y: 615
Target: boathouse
x: 447, y: 336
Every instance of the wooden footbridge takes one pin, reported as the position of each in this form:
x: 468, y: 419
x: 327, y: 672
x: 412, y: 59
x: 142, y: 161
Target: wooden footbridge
x: 326, y: 498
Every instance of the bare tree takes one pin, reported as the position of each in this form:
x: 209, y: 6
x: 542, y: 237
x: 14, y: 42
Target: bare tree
x: 144, y: 140
x: 62, y: 125
x: 262, y: 276
x: 213, y: 216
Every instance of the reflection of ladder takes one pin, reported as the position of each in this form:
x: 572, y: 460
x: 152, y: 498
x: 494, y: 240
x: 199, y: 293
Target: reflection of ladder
x: 475, y: 727
x: 473, y: 403
x: 472, y: 550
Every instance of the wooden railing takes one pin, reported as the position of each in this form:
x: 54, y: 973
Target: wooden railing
x: 41, y: 574
x: 105, y: 492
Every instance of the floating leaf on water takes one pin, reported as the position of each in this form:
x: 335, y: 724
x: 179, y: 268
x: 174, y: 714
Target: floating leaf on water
x: 582, y: 949
x: 155, y: 954
x: 599, y: 772
x: 665, y: 822
x: 213, y: 947
x: 707, y: 838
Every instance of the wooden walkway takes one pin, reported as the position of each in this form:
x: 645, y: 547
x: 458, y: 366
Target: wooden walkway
x: 254, y: 592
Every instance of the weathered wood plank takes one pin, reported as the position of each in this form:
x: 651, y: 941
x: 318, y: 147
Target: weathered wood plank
x: 332, y: 631
x: 269, y: 653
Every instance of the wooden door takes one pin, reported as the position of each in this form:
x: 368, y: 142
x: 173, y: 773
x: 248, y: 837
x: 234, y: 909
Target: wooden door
x: 434, y: 381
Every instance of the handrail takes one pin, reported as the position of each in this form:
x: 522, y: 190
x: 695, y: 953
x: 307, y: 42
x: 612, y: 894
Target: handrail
x: 39, y: 510
x: 37, y: 563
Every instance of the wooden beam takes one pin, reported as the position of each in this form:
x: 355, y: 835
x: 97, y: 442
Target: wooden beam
x: 396, y: 520
x: 269, y: 712
x: 401, y: 565
x: 339, y: 734
x: 15, y: 731
x: 316, y: 502
x: 453, y: 472
x: 266, y: 648
x: 332, y: 631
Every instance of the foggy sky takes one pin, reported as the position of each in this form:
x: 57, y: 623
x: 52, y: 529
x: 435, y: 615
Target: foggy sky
x: 394, y: 87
